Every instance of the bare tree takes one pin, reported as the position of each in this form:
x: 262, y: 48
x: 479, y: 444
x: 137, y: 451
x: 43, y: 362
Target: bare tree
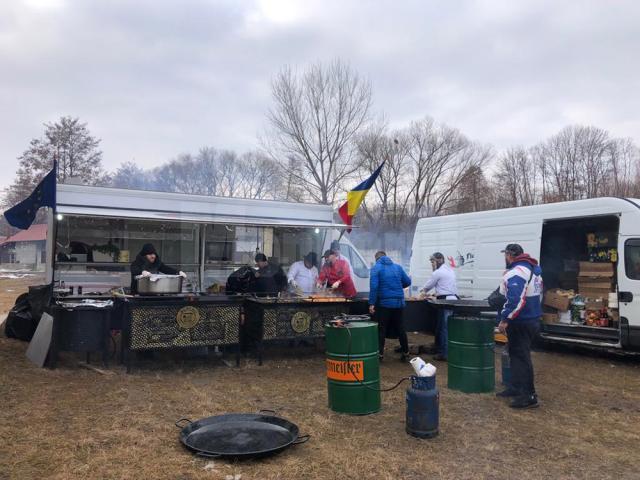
x: 130, y: 175
x: 474, y: 193
x: 208, y: 170
x: 376, y: 146
x: 574, y: 163
x: 77, y: 153
x: 516, y: 179
x: 315, y: 120
x: 624, y: 158
x: 179, y: 175
x: 441, y: 158
x: 261, y: 177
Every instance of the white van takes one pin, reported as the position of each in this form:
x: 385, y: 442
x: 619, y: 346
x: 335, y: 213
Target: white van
x: 557, y: 235
x: 98, y: 231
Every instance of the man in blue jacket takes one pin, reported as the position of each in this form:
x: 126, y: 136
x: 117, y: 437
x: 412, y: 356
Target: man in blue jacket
x: 520, y: 321
x: 386, y: 300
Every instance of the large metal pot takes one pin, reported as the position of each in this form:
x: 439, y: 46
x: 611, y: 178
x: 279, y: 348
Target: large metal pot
x: 159, y: 284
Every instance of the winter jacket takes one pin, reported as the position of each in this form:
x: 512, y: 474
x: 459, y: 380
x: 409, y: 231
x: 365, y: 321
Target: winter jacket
x: 270, y: 280
x: 386, y: 284
x: 522, y: 286
x: 338, y: 270
x: 141, y: 263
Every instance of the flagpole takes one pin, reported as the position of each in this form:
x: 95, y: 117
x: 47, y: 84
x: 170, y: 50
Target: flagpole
x: 54, y: 226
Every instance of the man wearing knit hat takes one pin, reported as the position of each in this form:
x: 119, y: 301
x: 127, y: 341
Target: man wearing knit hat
x: 148, y: 262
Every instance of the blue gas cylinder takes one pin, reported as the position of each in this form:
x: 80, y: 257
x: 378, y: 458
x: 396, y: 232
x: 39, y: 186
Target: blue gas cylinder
x: 423, y: 410
x: 505, y: 361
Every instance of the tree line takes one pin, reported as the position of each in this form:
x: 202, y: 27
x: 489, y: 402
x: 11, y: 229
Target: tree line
x: 322, y: 138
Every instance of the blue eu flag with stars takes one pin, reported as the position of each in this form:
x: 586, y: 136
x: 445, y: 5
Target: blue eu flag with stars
x: 23, y: 214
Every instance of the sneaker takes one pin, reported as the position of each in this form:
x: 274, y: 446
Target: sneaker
x: 380, y: 358
x: 440, y: 357
x: 525, y: 401
x: 404, y: 358
x: 509, y: 392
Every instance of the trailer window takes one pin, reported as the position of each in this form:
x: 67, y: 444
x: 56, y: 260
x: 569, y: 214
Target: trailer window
x: 632, y: 258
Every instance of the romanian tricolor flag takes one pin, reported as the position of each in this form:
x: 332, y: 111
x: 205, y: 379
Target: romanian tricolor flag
x: 355, y: 198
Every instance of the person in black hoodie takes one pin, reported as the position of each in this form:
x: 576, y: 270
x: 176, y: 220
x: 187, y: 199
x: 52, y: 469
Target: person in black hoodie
x: 148, y: 262
x: 270, y: 278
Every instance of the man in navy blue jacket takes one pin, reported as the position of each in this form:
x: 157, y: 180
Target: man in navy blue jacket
x: 386, y: 300
x: 520, y: 320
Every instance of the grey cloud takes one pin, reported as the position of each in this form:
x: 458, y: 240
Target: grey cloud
x: 154, y: 79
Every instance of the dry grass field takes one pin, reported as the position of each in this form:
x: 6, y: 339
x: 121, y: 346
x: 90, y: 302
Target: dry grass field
x: 75, y: 423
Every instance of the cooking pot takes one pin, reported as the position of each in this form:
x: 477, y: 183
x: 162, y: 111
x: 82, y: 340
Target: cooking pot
x: 158, y: 284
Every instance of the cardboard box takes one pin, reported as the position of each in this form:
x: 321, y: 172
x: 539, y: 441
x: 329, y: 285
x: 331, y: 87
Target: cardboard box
x: 594, y: 294
x: 552, y: 298
x: 549, y: 318
x: 594, y: 283
x: 596, y: 269
x: 595, y: 305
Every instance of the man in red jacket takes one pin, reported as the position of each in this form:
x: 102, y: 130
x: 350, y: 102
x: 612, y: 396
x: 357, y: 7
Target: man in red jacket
x: 335, y: 273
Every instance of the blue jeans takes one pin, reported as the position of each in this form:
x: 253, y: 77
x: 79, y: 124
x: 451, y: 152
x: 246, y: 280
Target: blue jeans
x: 442, y: 335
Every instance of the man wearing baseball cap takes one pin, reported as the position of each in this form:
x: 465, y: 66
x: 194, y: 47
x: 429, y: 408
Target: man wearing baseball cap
x: 520, y: 321
x: 335, y: 273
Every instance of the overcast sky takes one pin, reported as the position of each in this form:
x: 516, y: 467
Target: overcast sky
x: 155, y: 79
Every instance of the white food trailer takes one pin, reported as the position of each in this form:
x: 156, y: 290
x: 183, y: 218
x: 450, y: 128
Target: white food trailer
x: 99, y: 231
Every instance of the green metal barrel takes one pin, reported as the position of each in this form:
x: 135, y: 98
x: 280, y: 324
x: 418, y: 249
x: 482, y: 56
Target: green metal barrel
x: 471, y: 359
x: 353, y: 368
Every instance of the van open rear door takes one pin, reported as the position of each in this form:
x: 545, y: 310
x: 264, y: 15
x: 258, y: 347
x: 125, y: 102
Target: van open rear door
x: 576, y: 259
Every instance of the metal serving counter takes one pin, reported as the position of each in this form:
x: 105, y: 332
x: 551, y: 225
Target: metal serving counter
x: 178, y: 321
x: 268, y: 319
x: 206, y: 320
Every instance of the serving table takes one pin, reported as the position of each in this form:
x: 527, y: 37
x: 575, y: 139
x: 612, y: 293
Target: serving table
x: 179, y: 321
x: 269, y: 319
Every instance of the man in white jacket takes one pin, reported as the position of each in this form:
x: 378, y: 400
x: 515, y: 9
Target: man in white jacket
x: 304, y: 274
x: 443, y: 280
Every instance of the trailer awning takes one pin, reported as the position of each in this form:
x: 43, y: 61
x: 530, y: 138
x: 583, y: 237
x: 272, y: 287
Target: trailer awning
x: 196, y: 217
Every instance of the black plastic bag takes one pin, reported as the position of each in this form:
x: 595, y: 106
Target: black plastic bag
x: 241, y: 281
x: 20, y: 323
x: 497, y: 300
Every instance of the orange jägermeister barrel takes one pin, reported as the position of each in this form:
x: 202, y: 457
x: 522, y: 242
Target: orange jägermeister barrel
x: 353, y: 368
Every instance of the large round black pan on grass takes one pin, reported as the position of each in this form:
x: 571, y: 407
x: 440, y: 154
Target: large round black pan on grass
x: 239, y: 435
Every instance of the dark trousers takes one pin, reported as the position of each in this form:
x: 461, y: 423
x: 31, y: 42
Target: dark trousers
x: 391, y: 318
x: 442, y: 331
x: 520, y: 336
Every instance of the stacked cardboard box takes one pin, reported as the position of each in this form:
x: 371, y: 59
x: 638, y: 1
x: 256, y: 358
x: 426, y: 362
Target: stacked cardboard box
x: 558, y: 299
x: 595, y: 280
x: 556, y: 305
